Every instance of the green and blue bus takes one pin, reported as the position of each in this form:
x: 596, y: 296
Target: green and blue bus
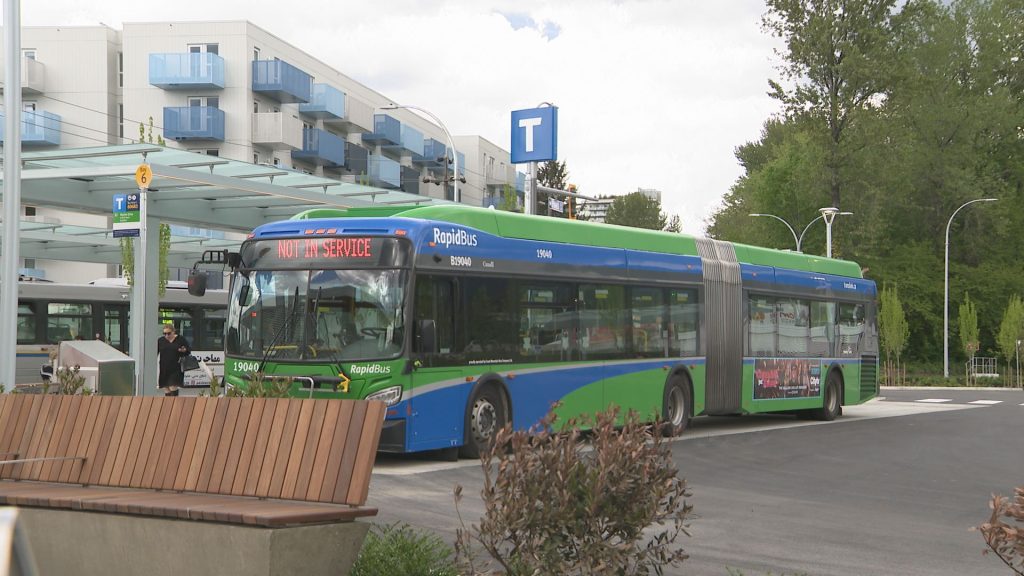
x: 464, y: 319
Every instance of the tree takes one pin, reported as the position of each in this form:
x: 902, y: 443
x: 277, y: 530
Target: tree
x: 1011, y: 329
x: 637, y: 210
x: 509, y: 200
x: 968, y: 317
x: 675, y: 224
x: 893, y: 332
x: 553, y: 174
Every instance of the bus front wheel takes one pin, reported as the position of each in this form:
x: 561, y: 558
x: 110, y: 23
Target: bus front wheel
x: 676, y: 407
x: 832, y: 405
x: 485, y: 415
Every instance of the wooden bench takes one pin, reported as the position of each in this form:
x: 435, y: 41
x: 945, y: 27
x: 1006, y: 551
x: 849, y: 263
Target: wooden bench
x: 282, y: 468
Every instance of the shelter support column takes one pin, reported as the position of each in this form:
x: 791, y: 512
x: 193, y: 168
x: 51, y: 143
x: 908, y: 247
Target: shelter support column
x: 145, y: 306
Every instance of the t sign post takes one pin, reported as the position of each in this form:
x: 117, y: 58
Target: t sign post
x: 534, y: 139
x: 135, y: 204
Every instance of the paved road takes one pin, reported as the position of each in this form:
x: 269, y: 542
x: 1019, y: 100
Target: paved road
x: 893, y: 487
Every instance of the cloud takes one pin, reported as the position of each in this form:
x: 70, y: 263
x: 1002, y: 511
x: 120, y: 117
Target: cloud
x: 549, y: 30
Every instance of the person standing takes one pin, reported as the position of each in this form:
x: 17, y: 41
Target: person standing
x: 171, y: 348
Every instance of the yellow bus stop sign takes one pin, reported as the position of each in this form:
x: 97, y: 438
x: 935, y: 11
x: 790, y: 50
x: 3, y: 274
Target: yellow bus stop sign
x: 143, y: 176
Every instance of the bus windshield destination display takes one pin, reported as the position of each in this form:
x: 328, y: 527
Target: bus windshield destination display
x: 321, y: 252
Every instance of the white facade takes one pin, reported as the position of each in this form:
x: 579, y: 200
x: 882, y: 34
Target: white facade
x: 100, y: 83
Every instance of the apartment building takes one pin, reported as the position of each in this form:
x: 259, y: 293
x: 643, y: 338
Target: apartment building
x: 233, y: 89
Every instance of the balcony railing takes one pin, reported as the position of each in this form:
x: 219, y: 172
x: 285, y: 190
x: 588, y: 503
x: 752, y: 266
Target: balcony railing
x: 193, y: 123
x: 385, y: 172
x: 387, y: 131
x: 410, y: 180
x: 356, y: 159
x: 412, y: 141
x: 277, y: 129
x: 186, y: 71
x: 281, y: 81
x: 33, y: 76
x: 432, y: 151
x: 321, y: 148
x: 38, y: 128
x: 327, y: 102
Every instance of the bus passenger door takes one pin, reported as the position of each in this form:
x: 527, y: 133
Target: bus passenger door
x: 436, y: 395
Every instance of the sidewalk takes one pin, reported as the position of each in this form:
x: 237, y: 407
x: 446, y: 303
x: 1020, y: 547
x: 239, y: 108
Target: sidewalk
x: 984, y: 388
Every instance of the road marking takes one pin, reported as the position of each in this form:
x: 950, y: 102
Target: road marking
x: 935, y: 400
x: 987, y: 402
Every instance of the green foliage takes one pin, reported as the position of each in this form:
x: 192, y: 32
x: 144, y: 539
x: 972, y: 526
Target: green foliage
x: 509, y: 199
x: 893, y: 332
x: 1011, y: 329
x: 675, y: 224
x: 968, y: 326
x: 553, y: 507
x: 260, y: 386
x: 128, y: 259
x: 399, y: 550
x: 69, y: 381
x: 637, y: 210
x: 1004, y: 531
x: 553, y: 174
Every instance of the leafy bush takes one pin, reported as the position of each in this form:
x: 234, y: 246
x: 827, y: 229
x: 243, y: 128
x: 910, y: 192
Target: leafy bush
x: 1006, y: 539
x: 553, y: 507
x: 399, y: 550
x: 69, y: 381
x: 260, y: 386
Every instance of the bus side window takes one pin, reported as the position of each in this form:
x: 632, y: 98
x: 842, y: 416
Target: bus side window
x: 851, y: 329
x: 26, y: 323
x: 823, y: 329
x: 761, y: 338
x: 435, y: 301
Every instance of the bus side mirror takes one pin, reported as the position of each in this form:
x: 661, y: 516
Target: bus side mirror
x: 234, y: 260
x: 427, y: 336
x: 197, y: 282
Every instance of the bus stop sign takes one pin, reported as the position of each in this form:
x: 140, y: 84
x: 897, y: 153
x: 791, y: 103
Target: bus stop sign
x: 535, y: 135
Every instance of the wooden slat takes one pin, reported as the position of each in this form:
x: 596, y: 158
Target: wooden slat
x: 309, y: 449
x: 23, y: 435
x: 223, y: 447
x: 12, y: 433
x: 298, y: 445
x: 178, y: 445
x: 372, y: 425
x: 124, y: 405
x: 215, y: 438
x: 94, y: 465
x: 42, y: 471
x: 235, y: 450
x: 170, y: 442
x: 142, y: 461
x: 249, y: 464
x: 204, y: 440
x: 349, y: 453
x: 273, y: 448
x: 42, y: 421
x: 135, y: 445
x: 181, y: 467
x: 323, y: 451
x: 71, y: 471
x: 337, y: 452
x: 162, y: 442
x: 124, y: 445
x: 51, y: 470
x: 7, y: 421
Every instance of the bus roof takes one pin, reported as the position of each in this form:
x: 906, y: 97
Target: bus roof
x: 522, y: 226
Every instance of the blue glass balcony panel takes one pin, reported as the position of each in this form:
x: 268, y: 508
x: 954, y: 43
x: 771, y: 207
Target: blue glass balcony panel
x: 462, y: 163
x: 281, y: 81
x: 432, y: 150
x: 410, y: 180
x: 321, y: 148
x: 412, y: 141
x: 193, y: 123
x: 387, y: 131
x: 38, y: 128
x: 186, y: 71
x: 385, y: 172
x: 327, y: 102
x: 356, y: 159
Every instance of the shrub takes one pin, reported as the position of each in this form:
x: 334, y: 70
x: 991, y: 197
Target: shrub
x: 553, y: 507
x: 399, y: 550
x: 1006, y: 539
x: 260, y: 386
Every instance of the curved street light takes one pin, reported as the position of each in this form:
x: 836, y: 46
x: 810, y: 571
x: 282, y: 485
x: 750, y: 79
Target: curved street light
x: 451, y: 143
x: 945, y: 301
x: 791, y: 231
x: 800, y: 239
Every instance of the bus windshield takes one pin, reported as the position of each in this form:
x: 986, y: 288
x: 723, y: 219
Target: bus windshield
x: 322, y: 315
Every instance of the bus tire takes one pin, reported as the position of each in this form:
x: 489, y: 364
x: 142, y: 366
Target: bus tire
x: 486, y: 413
x: 677, y: 406
x: 832, y: 401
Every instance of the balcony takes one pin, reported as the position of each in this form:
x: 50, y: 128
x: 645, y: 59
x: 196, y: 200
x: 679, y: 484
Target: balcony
x: 327, y: 103
x: 387, y: 131
x: 281, y: 81
x: 38, y: 128
x: 321, y: 148
x: 193, y: 123
x: 33, y: 76
x: 385, y: 172
x: 412, y: 141
x: 432, y: 151
x: 410, y: 180
x: 186, y: 71
x: 277, y: 129
x: 356, y: 159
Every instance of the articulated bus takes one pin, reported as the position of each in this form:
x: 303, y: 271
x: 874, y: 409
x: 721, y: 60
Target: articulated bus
x: 50, y: 312
x: 463, y: 319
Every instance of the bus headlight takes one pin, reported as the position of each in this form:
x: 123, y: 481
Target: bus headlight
x: 389, y: 396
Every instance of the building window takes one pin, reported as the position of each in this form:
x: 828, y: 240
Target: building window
x: 213, y: 49
x: 30, y: 210
x: 120, y: 69
x: 255, y: 53
x: 213, y: 152
x: 204, y: 48
x: 255, y: 157
x: 29, y: 53
x: 120, y: 121
x: 277, y: 161
x: 30, y: 262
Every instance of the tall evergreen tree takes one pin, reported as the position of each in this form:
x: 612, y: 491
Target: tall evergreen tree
x: 637, y: 210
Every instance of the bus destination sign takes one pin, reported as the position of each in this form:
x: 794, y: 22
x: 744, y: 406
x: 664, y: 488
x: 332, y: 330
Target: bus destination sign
x: 329, y: 252
x: 329, y: 248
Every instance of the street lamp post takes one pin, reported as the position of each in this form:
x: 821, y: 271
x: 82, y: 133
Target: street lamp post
x: 791, y: 231
x: 451, y: 143
x: 945, y: 301
x: 800, y: 239
x: 1018, y: 363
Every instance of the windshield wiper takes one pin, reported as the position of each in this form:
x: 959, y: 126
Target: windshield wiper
x: 277, y: 334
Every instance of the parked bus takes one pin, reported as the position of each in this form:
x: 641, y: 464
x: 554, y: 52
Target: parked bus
x: 50, y: 312
x: 463, y: 319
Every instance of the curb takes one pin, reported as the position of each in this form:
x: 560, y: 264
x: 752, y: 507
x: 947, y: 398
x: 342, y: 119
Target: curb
x: 975, y: 388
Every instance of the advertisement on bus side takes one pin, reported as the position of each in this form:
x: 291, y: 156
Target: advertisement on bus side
x: 780, y: 378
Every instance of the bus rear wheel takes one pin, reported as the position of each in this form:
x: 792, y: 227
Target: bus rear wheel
x: 485, y: 415
x: 832, y: 405
x: 676, y: 407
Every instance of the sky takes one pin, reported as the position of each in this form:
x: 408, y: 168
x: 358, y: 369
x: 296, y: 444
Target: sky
x: 651, y: 93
